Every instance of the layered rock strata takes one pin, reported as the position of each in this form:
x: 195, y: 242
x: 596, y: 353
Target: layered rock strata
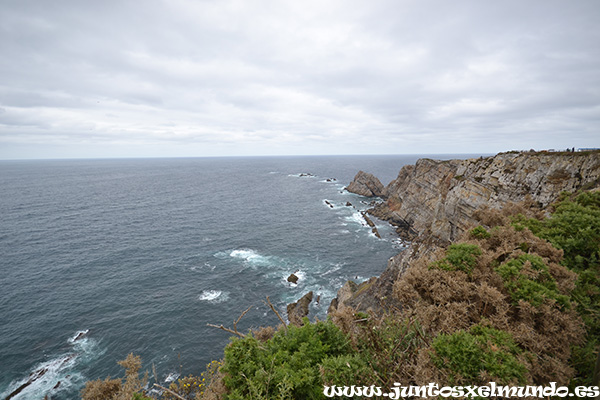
x: 433, y: 203
x: 366, y: 184
x: 440, y: 197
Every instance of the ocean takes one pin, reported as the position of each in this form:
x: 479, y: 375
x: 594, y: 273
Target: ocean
x: 101, y: 258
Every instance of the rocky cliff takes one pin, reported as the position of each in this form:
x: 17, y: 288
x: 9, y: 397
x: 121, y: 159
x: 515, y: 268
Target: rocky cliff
x: 440, y: 197
x: 366, y: 184
x: 434, y: 202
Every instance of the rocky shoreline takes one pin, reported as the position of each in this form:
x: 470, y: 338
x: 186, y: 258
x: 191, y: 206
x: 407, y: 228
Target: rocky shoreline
x: 432, y: 203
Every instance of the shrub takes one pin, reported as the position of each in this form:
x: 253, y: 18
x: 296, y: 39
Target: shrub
x: 527, y: 278
x: 574, y: 227
x: 286, y: 365
x: 479, y: 232
x: 467, y: 355
x: 116, y: 389
x: 390, y: 345
x: 460, y: 257
x: 346, y: 370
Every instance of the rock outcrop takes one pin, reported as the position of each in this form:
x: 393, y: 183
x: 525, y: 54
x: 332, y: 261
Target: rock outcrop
x: 375, y: 294
x: 440, y: 197
x: 434, y: 202
x: 365, y: 184
x: 298, y: 310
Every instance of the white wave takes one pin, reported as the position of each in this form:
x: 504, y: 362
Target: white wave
x: 201, y: 268
x: 214, y: 296
x: 249, y: 256
x: 172, y: 377
x: 336, y: 267
x: 357, y: 217
x: 58, y: 374
x: 79, y: 335
x: 301, y: 278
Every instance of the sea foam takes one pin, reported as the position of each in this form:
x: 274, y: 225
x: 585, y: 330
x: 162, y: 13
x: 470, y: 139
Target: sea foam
x: 214, y: 296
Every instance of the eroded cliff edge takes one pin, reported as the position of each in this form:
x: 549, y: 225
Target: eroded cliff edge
x: 432, y: 203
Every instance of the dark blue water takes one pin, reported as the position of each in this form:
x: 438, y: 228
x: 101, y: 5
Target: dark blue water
x: 142, y: 254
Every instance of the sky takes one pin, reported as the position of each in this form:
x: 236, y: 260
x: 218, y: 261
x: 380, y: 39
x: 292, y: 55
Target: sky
x: 183, y: 78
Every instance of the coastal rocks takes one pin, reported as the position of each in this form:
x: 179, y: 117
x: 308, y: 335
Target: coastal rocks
x: 439, y: 197
x: 293, y: 278
x: 344, y: 293
x: 368, y: 220
x: 433, y: 203
x: 366, y: 184
x: 298, y: 310
x: 39, y: 374
x: 376, y: 294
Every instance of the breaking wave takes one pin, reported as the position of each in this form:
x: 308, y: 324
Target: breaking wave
x: 59, y: 374
x: 214, y: 296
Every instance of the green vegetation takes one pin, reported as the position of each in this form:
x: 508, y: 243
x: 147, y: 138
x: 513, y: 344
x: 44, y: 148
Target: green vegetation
x: 527, y: 278
x: 287, y: 364
x: 460, y: 257
x: 466, y: 354
x: 574, y: 227
x: 479, y: 232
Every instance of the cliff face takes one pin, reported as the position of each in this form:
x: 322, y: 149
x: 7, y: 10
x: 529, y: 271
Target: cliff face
x: 439, y: 197
x: 434, y: 202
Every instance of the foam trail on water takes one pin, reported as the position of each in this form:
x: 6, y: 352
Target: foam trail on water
x: 214, y: 296
x: 250, y: 256
x: 59, y: 374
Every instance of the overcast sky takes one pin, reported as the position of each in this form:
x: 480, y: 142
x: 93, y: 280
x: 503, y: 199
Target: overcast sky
x: 204, y: 78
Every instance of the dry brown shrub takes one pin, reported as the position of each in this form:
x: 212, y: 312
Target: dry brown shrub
x: 345, y: 318
x: 115, y: 389
x: 101, y: 389
x: 133, y: 383
x: 216, y: 389
x: 491, y: 217
x: 448, y: 301
x: 264, y: 333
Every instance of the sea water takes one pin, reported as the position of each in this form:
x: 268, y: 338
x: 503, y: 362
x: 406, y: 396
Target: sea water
x: 101, y: 258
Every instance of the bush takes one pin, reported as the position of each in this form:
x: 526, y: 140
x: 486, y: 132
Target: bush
x: 194, y: 387
x: 286, y: 365
x: 467, y: 355
x: 116, y: 389
x: 460, y: 257
x: 479, y: 232
x: 574, y: 227
x: 527, y: 278
x: 390, y: 345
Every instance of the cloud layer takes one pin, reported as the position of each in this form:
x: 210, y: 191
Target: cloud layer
x: 200, y: 78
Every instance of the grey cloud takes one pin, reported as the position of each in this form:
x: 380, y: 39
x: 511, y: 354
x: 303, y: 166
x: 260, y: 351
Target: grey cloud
x: 325, y: 74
